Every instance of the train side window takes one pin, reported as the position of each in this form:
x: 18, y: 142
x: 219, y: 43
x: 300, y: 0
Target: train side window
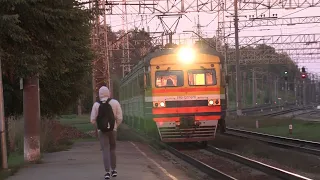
x: 125, y: 92
x: 169, y: 78
x: 201, y: 77
x: 141, y: 81
x: 147, y: 80
x: 134, y: 88
x: 129, y: 90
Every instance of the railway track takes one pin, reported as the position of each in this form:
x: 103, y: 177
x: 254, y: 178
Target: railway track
x: 261, y: 108
x: 226, y: 170
x: 212, y: 172
x: 305, y: 146
x: 221, y: 164
x: 254, y: 108
x: 277, y: 113
x: 270, y: 170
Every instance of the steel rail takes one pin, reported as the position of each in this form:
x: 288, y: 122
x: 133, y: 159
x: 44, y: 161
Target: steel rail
x: 257, y: 165
x: 194, y: 162
x: 300, y: 141
x: 284, y: 142
x: 200, y: 165
x: 281, y: 112
x: 262, y: 107
x: 286, y: 111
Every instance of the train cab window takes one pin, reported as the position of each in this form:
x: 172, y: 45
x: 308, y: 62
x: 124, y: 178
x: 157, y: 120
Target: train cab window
x: 169, y: 78
x: 202, y: 77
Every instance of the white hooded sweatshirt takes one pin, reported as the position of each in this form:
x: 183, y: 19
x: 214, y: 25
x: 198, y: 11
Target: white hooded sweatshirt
x: 104, y: 94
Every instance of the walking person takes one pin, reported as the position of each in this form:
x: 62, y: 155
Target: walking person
x: 106, y: 116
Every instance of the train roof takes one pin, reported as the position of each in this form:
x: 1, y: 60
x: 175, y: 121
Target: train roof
x: 160, y: 52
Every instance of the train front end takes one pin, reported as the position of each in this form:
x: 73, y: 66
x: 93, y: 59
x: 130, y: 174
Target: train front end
x: 187, y: 96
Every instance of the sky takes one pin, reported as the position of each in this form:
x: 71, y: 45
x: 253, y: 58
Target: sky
x: 209, y: 23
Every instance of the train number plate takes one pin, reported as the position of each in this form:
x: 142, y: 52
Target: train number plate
x: 187, y: 121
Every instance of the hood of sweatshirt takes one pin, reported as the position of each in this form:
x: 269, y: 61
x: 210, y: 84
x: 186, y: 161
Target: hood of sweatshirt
x: 104, y: 93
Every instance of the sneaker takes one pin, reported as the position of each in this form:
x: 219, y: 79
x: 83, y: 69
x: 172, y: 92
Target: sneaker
x: 107, y: 175
x: 114, y: 173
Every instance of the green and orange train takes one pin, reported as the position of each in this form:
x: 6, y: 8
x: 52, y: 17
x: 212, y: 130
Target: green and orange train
x: 177, y: 94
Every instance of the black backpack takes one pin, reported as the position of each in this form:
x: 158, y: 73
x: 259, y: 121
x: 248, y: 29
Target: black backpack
x: 105, y: 118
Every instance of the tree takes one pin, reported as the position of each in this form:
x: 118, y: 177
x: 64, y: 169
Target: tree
x: 268, y: 52
x: 141, y: 42
x: 49, y: 38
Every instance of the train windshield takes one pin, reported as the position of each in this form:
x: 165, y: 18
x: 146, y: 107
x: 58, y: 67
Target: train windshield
x: 169, y: 78
x: 202, y: 77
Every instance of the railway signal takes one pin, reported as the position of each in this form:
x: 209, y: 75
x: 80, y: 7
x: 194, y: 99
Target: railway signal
x: 303, y: 74
x: 286, y: 75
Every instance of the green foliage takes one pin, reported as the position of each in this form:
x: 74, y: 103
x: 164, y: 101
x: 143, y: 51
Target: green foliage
x: 142, y: 41
x: 49, y: 38
x: 264, y: 95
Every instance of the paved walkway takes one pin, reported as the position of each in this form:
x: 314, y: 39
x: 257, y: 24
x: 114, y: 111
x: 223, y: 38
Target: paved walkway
x: 84, y: 162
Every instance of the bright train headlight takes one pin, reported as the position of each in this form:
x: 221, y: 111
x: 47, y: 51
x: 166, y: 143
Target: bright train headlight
x: 162, y: 104
x: 210, y: 102
x: 186, y: 55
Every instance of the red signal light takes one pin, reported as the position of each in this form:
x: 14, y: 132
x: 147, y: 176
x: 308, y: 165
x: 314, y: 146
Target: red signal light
x: 303, y: 75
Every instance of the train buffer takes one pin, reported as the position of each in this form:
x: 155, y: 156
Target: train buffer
x: 84, y: 162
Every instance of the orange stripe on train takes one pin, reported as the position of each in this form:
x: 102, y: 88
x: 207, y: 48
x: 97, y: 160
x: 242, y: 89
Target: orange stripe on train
x: 203, y: 118
x: 196, y: 109
x: 166, y: 119
x: 197, y: 118
x: 168, y: 90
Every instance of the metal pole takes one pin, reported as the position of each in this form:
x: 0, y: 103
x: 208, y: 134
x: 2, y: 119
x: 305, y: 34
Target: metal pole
x: 286, y: 91
x: 318, y: 92
x: 275, y: 90
x: 238, y: 76
x: 304, y: 95
x: 106, y: 50
x: 3, y: 129
x: 227, y: 84
x: 313, y: 90
x: 244, y: 94
x: 301, y: 92
x: 31, y: 113
x: 254, y: 96
x: 295, y: 91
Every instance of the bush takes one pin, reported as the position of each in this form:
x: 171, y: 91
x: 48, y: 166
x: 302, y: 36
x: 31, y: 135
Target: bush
x: 16, y: 132
x: 53, y: 135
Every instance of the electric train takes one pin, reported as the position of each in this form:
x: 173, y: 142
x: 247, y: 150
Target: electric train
x: 176, y: 94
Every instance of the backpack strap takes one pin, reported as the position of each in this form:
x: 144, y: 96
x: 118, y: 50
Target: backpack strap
x: 109, y: 99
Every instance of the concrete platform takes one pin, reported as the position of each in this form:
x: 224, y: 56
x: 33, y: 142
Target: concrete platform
x: 84, y: 162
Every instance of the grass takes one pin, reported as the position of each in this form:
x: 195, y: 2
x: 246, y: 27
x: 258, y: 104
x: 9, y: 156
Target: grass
x: 301, y: 130
x: 15, y: 161
x: 82, y: 123
x: 279, y: 126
